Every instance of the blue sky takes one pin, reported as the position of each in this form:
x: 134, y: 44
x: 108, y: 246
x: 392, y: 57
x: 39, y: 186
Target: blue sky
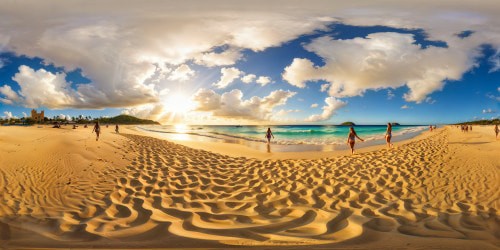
x: 255, y: 64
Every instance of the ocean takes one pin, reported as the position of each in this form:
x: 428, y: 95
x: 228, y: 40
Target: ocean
x: 307, y: 137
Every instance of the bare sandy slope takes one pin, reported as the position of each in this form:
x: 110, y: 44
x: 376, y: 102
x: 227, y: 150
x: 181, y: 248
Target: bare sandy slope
x: 61, y: 188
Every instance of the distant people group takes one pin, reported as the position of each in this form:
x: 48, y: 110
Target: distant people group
x: 465, y: 128
x: 432, y: 128
x: 351, y: 137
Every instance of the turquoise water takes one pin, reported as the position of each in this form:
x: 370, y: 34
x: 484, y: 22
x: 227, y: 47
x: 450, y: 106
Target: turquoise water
x: 285, y: 134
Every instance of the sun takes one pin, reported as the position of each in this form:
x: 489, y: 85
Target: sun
x: 178, y: 103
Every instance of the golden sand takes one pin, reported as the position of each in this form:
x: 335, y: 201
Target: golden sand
x: 61, y: 188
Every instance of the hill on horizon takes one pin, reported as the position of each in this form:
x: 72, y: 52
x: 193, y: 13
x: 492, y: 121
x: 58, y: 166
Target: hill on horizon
x: 127, y: 119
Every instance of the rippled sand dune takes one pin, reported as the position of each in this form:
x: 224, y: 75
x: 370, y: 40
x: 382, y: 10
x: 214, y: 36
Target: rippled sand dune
x: 129, y: 190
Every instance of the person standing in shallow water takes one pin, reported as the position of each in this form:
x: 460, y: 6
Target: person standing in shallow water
x: 351, y: 139
x: 388, y: 135
x: 97, y: 130
x: 269, y: 134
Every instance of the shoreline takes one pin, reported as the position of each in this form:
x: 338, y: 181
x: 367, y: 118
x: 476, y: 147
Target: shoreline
x: 279, y: 145
x: 262, y: 151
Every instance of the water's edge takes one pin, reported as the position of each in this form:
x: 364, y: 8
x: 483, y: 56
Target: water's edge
x: 335, y: 143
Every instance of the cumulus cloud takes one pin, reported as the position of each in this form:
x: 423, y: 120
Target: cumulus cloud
x: 42, y: 88
x: 120, y: 48
x: 147, y: 111
x: 232, y: 105
x: 332, y: 105
x: 181, y: 73
x: 263, y: 80
x: 225, y: 58
x: 381, y: 60
x: 488, y: 111
x: 8, y: 115
x: 405, y: 107
x: 119, y: 45
x: 64, y: 117
x: 248, y: 78
x: 10, y: 95
x: 314, y: 105
x: 51, y: 90
x: 227, y: 77
x: 25, y: 115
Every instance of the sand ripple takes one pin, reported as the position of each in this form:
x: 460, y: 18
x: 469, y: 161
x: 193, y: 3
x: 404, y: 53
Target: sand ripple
x: 172, y: 189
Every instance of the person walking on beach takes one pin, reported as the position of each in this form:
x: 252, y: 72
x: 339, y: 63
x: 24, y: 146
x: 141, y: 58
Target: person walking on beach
x: 351, y: 139
x: 116, y: 129
x: 268, y: 135
x: 388, y: 135
x: 496, y: 131
x: 97, y: 130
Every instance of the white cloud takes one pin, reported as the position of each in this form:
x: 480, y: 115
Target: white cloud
x: 147, y: 111
x: 381, y: 60
x: 227, y: 77
x: 231, y: 104
x: 324, y: 87
x: 314, y: 105
x: 284, y: 112
x: 332, y: 105
x: 493, y: 97
x: 299, y: 72
x: 488, y: 111
x: 390, y: 94
x: 495, y: 61
x: 430, y: 100
x: 405, y: 107
x: 8, y: 115
x: 181, y: 73
x: 25, y: 115
x: 119, y: 48
x: 64, y: 117
x: 47, y: 89
x: 10, y: 95
x: 43, y: 88
x: 263, y: 80
x: 118, y: 44
x: 248, y: 78
x: 225, y: 58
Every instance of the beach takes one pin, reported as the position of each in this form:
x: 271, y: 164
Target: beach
x: 62, y: 188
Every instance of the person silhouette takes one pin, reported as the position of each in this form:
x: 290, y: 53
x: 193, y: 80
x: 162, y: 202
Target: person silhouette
x: 97, y: 130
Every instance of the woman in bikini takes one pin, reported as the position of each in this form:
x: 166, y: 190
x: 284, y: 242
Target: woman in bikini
x: 496, y: 131
x: 269, y: 134
x: 388, y: 135
x: 97, y: 130
x: 351, y: 139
